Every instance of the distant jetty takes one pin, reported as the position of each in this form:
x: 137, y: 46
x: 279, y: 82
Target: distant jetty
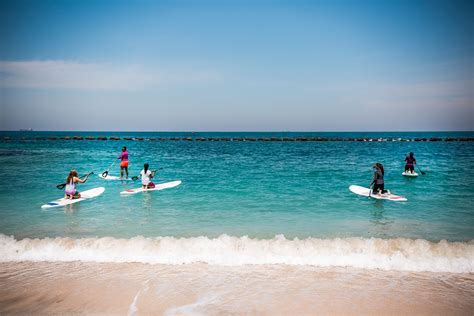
x: 26, y: 130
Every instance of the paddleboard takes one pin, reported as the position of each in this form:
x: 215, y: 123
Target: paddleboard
x: 84, y: 196
x: 409, y: 174
x: 386, y: 196
x: 116, y: 178
x: 158, y: 187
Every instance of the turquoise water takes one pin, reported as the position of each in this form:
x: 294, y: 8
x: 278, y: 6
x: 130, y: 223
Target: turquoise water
x: 258, y: 189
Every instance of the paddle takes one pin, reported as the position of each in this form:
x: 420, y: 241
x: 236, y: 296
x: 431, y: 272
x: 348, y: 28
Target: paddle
x: 105, y: 173
x: 422, y: 172
x: 135, y: 178
x: 62, y: 185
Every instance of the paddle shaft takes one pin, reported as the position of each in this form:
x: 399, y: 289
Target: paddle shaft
x: 105, y: 173
x: 421, y: 171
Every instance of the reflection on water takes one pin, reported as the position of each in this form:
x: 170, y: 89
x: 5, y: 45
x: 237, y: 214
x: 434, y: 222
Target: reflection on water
x: 378, y: 214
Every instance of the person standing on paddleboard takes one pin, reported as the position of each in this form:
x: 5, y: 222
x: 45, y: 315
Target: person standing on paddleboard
x: 411, y: 162
x: 378, y: 181
x: 146, y: 177
x: 70, y: 192
x: 124, y: 163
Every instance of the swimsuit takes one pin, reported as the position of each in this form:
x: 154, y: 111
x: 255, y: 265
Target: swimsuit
x: 70, y: 188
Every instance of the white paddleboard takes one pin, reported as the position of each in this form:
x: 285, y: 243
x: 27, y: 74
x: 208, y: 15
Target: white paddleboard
x: 116, y: 178
x: 409, y: 174
x: 157, y: 187
x: 366, y: 192
x: 84, y: 196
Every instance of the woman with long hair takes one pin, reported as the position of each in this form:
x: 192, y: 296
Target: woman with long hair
x: 70, y: 192
x: 378, y: 180
x: 146, y: 177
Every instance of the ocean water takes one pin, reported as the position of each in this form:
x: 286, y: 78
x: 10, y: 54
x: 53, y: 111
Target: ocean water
x: 242, y: 202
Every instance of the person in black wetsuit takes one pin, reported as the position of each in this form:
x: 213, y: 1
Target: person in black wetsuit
x: 378, y: 180
x: 411, y: 162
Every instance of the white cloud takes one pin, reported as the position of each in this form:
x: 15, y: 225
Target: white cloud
x: 59, y: 74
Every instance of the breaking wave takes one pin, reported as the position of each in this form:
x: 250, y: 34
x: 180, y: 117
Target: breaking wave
x: 400, y: 254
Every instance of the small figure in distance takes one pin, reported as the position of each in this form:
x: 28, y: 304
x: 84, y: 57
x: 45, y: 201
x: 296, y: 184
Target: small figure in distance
x: 70, y: 192
x: 378, y: 181
x: 146, y: 177
x: 411, y: 162
x: 124, y: 163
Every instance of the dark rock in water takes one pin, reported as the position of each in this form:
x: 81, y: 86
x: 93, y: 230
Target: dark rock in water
x: 435, y: 139
x: 114, y: 138
x: 128, y: 138
x: 153, y: 139
x: 90, y: 138
x: 450, y: 139
x: 52, y: 138
x: 139, y: 138
x: 201, y: 139
x: 101, y: 138
x: 78, y: 138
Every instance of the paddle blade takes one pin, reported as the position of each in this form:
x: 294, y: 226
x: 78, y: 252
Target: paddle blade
x: 135, y: 178
x: 105, y: 173
x: 61, y: 186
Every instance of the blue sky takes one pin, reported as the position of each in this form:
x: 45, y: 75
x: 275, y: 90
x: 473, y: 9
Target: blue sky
x: 237, y: 65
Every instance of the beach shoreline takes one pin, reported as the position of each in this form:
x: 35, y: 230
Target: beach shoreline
x: 135, y: 288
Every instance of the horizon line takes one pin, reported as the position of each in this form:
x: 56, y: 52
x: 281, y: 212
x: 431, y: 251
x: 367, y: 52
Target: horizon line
x: 239, y: 131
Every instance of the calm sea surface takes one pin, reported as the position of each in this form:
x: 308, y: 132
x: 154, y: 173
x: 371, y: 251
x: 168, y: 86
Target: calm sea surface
x: 259, y: 189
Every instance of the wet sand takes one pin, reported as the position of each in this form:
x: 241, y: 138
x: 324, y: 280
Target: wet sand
x: 133, y: 288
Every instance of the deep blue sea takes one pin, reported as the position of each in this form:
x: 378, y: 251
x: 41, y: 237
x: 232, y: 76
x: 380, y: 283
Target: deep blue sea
x: 235, y: 189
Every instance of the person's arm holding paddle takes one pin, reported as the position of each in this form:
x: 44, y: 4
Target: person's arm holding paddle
x: 70, y: 192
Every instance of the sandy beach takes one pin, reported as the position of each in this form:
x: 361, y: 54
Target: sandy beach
x: 201, y: 289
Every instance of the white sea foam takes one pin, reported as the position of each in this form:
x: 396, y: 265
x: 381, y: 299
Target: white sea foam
x: 399, y: 254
